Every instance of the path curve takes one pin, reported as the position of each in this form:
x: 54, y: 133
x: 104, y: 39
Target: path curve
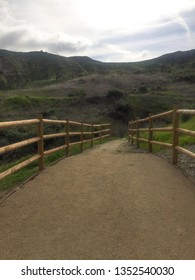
x: 106, y: 203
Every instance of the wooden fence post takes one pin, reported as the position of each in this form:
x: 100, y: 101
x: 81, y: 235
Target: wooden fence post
x: 81, y: 138
x: 40, y: 142
x: 67, y: 138
x: 137, y: 133
x: 129, y: 132
x: 150, y: 133
x: 110, y: 137
x: 101, y: 135
x: 92, y: 135
x: 175, y: 135
x: 132, y: 134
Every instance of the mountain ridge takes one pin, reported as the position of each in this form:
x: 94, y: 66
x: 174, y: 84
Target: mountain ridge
x: 19, y: 68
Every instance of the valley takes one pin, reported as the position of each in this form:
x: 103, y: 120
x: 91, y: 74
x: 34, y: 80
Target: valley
x: 82, y: 89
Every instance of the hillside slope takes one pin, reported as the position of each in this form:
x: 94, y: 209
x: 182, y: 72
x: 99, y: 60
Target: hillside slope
x: 18, y: 69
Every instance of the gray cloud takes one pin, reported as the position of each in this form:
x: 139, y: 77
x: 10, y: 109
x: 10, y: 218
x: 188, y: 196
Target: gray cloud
x: 166, y: 30
x: 11, y: 38
x: 167, y: 35
x: 56, y: 26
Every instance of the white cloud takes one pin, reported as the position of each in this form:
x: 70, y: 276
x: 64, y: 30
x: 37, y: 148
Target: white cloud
x: 109, y: 29
x: 177, y: 18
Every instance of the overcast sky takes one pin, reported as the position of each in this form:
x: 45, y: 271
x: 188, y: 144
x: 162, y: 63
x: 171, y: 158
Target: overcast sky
x: 106, y: 30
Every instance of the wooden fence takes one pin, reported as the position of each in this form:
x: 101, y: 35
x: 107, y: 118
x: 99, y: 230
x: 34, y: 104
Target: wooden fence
x: 147, y: 125
x: 94, y: 132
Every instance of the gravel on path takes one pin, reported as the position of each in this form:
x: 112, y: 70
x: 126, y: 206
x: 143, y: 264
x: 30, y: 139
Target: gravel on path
x: 106, y: 203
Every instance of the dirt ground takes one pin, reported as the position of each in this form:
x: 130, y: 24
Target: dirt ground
x: 106, y: 203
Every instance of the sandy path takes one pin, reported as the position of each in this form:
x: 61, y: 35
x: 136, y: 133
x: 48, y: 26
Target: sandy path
x: 106, y: 203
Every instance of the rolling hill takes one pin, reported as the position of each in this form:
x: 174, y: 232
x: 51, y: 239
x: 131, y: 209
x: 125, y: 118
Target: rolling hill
x: 17, y: 69
x: 81, y: 88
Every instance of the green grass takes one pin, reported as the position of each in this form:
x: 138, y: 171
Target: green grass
x: 18, y: 177
x: 166, y: 137
x: 185, y: 139
x: 22, y: 175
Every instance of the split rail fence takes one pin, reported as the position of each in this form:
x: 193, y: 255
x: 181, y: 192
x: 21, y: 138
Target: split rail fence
x: 93, y: 131
x: 147, y: 125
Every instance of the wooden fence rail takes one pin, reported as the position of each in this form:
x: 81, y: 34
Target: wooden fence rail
x: 134, y: 130
x: 92, y: 133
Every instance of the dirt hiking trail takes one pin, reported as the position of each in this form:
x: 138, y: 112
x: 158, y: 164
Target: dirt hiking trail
x: 106, y: 203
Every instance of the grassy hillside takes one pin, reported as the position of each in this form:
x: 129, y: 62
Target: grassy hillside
x: 18, y: 69
x: 81, y: 88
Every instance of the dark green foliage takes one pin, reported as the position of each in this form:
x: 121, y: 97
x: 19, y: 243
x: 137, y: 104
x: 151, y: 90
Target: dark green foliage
x: 121, y: 112
x: 115, y: 94
x: 143, y: 89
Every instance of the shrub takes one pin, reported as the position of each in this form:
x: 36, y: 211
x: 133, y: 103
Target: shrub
x: 115, y: 94
x: 143, y: 89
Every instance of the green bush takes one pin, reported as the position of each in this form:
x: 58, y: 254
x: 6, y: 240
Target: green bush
x: 115, y: 94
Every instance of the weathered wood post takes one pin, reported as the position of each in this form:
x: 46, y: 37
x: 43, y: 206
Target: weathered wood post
x: 67, y: 138
x: 129, y: 132
x: 137, y: 133
x: 40, y: 142
x: 81, y: 138
x: 92, y: 134
x: 175, y: 135
x: 110, y: 137
x: 132, y: 133
x: 101, y: 134
x: 150, y: 133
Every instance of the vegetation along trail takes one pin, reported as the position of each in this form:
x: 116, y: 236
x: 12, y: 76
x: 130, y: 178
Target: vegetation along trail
x: 106, y: 203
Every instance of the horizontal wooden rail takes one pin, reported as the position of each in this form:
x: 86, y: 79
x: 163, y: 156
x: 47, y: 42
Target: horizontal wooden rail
x: 140, y: 129
x: 87, y: 124
x: 162, y: 129
x: 75, y: 133
x: 75, y: 123
x: 75, y: 143
x: 142, y: 139
x: 105, y: 130
x: 87, y: 141
x: 134, y: 131
x: 132, y: 122
x: 54, y: 121
x: 143, y: 120
x: 185, y: 152
x: 186, y: 112
x: 87, y: 132
x: 165, y: 114
x: 106, y: 124
x: 167, y: 145
x: 97, y: 138
x: 71, y: 138
x: 97, y: 125
x: 97, y: 132
x: 48, y: 136
x: 152, y: 129
x: 55, y: 150
x: 18, y: 166
x: 18, y: 145
x: 186, y: 131
x: 105, y: 136
x: 18, y: 123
